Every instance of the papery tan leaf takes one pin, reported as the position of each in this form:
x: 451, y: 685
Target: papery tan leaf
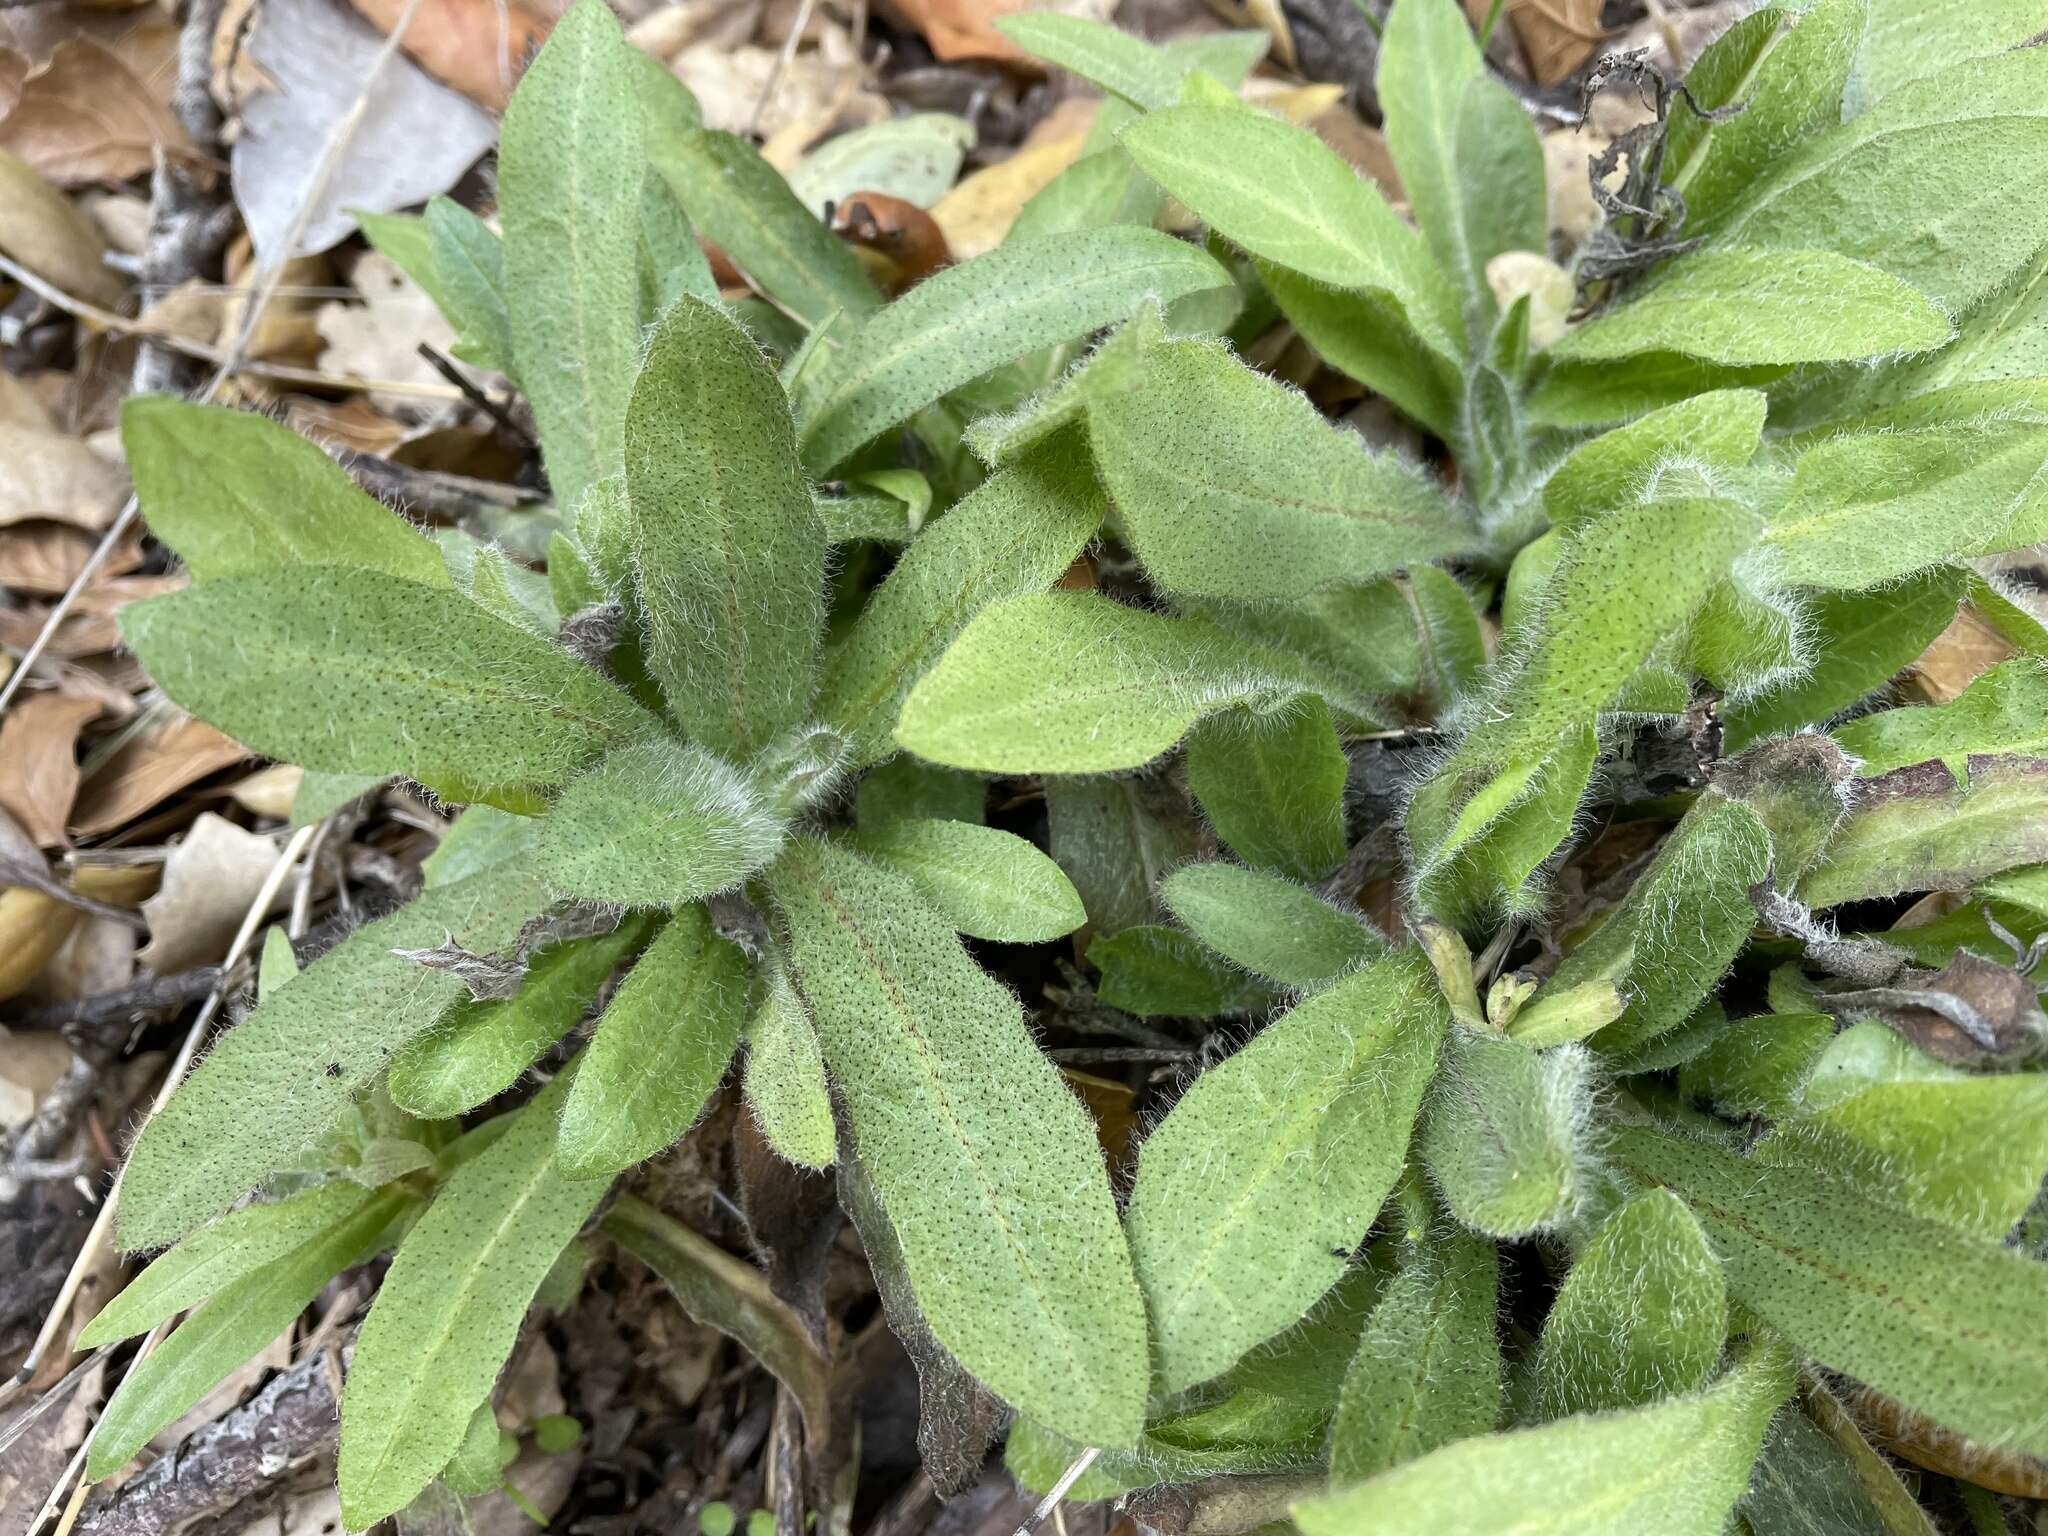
x: 45, y: 557
x: 84, y: 116
x: 41, y: 229
x: 979, y: 211
x: 148, y: 769
x: 51, y: 475
x: 39, y: 761
x: 32, y: 926
x: 209, y: 880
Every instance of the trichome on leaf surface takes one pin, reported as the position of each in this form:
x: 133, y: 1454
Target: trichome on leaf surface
x: 1614, y: 1104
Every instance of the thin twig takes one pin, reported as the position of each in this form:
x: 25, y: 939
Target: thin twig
x: 782, y: 63
x: 157, y: 995
x: 446, y: 368
x: 1058, y: 1491
x: 23, y: 873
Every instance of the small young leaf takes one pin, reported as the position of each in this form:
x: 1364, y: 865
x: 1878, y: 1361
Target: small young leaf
x: 220, y: 1254
x: 1720, y: 429
x: 480, y: 1048
x: 1912, y: 1308
x: 785, y: 1078
x: 1268, y: 925
x: 237, y: 494
x: 1273, y: 786
x: 1428, y: 1368
x: 903, y: 788
x: 1071, y: 682
x: 1672, y: 1469
x: 2004, y: 710
x: 240, y: 1319
x: 968, y: 319
x: 1641, y: 1316
x: 987, y: 1166
x: 435, y: 687
x: 273, y: 1084
x: 569, y: 172
x: 1740, y: 306
x: 990, y: 884
x: 729, y: 552
x: 1298, y: 1136
x: 449, y: 1310
x: 1504, y: 1134
x: 1015, y: 534
x: 469, y: 261
x: 661, y: 1047
x: 657, y: 825
x: 1143, y: 74
x: 1154, y: 971
x: 1207, y: 459
x: 1284, y: 196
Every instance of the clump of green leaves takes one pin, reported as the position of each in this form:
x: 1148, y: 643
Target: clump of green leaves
x: 1741, y: 1156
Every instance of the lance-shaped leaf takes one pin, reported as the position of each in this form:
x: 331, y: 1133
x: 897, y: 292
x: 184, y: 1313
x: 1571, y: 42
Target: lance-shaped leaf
x: 1015, y: 534
x: 219, y: 1254
x: 480, y: 1048
x: 1962, y: 1148
x: 729, y: 552
x: 1142, y: 73
x: 1505, y: 1134
x: 1428, y: 1367
x: 1641, y: 1316
x: 1286, y: 197
x: 785, y: 1077
x: 657, y: 825
x: 1232, y: 485
x: 469, y: 263
x: 954, y: 327
x: 1784, y: 74
x: 1741, y: 306
x: 1853, y: 644
x: 241, y: 1319
x: 1254, y: 1191
x: 273, y: 1084
x: 1916, y: 829
x: 661, y: 1047
x: 360, y: 672
x: 1961, y: 158
x: 1366, y: 335
x: 1956, y: 472
x: 1679, y: 928
x: 1913, y: 1308
x: 1273, y: 786
x: 987, y: 1166
x: 1427, y: 58
x: 449, y: 1310
x: 1674, y: 1469
x: 1070, y: 682
x: 741, y: 203
x: 1269, y: 925
x: 237, y: 494
x: 1154, y: 971
x: 1908, y: 40
x: 985, y: 882
x: 1720, y: 429
x: 569, y: 172
x: 2004, y: 710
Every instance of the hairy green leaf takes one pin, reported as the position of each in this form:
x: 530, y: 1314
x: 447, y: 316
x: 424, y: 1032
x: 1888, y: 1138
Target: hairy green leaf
x: 1907, y: 40
x: 1428, y: 1368
x: 988, y: 1168
x: 656, y: 825
x: 275, y: 1082
x: 1141, y: 73
x: 1070, y: 682
x: 956, y: 326
x: 1917, y: 829
x: 1905, y: 1305
x: 1505, y: 1133
x: 569, y: 171
x: 1718, y: 430
x: 469, y: 263
x: 1231, y: 485
x: 2004, y: 710
x: 449, y: 1310
x: 1015, y: 534
x: 1740, y: 306
x: 991, y: 884
x: 1273, y: 786
x: 1255, y: 1189
x: 1673, y: 1469
x: 661, y: 1048
x: 1367, y: 336
x: 1641, y: 1316
x: 1152, y: 971
x: 435, y: 687
x: 1428, y: 58
x: 729, y: 553
x: 785, y: 1078
x: 1269, y: 925
x: 237, y: 494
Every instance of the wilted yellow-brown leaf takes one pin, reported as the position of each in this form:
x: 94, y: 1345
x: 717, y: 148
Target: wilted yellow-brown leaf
x: 39, y: 761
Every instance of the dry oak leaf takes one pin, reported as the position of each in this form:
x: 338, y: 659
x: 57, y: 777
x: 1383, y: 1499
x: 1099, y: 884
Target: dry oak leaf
x: 41, y: 229
x: 49, y: 474
x: 39, y: 762
x: 209, y: 880
x: 148, y: 769
x: 84, y: 116
x: 478, y: 47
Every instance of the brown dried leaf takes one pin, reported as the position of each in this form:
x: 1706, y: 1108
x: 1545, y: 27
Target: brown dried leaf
x: 32, y: 926
x: 39, y: 762
x: 150, y: 768
x: 41, y: 229
x: 1960, y: 654
x: 479, y: 47
x: 84, y: 116
x: 51, y: 475
x: 45, y: 557
x: 209, y: 880
x: 1557, y: 36
x: 905, y: 240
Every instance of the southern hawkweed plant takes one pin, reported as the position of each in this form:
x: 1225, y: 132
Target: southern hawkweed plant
x: 1635, y: 1148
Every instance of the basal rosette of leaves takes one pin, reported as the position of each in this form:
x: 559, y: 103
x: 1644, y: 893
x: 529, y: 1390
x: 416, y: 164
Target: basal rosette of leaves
x: 725, y: 778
